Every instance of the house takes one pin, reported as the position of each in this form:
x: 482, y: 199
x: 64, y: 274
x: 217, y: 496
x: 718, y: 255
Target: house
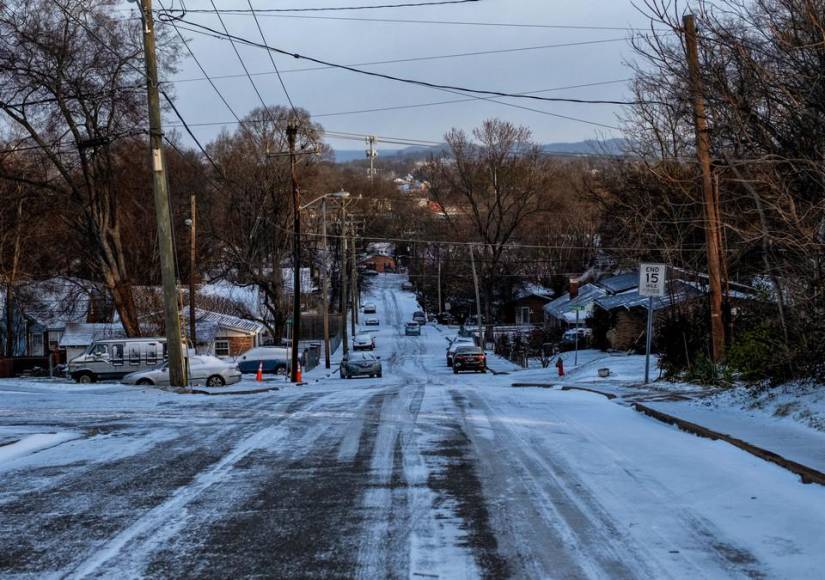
x: 565, y: 311
x: 43, y: 310
x: 379, y: 263
x: 620, y: 319
x: 527, y: 305
x: 224, y: 335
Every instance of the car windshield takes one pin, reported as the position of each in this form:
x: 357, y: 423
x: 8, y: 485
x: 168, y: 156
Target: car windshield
x: 362, y: 356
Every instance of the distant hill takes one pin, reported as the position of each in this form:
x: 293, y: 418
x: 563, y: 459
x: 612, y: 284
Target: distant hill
x: 588, y: 147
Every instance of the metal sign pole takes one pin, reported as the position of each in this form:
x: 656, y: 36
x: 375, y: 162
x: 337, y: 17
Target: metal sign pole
x: 649, y: 338
x: 652, y: 283
x: 576, y: 355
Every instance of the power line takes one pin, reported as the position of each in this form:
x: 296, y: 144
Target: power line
x: 272, y: 60
x: 203, y: 70
x: 206, y: 30
x: 409, y: 59
x: 337, y: 8
x: 461, y: 23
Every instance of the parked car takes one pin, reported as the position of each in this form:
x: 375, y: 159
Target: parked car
x: 360, y: 363
x: 370, y: 272
x: 371, y: 321
x: 407, y: 286
x: 419, y: 317
x: 412, y: 329
x: 454, y: 344
x: 469, y: 358
x: 369, y: 308
x: 445, y: 318
x: 363, y: 342
x: 116, y: 358
x: 203, y: 370
x: 584, y: 334
x: 273, y: 359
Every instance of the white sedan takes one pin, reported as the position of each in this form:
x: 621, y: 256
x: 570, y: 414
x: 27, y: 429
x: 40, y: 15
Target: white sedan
x: 204, y: 370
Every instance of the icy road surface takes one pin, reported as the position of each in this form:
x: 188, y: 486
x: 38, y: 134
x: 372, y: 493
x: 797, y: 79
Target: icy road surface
x: 422, y: 474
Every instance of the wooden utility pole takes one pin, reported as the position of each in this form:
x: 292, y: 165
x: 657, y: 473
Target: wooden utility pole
x: 291, y: 134
x: 354, y: 283
x: 343, y: 269
x: 478, y: 300
x: 174, y: 341
x: 438, y: 253
x: 193, y: 256
x: 712, y: 228
x: 325, y: 281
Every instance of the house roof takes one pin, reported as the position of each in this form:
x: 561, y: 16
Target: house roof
x: 620, y: 282
x: 83, y: 333
x: 563, y: 307
x: 530, y: 289
x: 54, y: 302
x: 204, y: 319
x: 678, y: 292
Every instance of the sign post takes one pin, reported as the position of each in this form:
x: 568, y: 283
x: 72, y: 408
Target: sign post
x: 652, y: 278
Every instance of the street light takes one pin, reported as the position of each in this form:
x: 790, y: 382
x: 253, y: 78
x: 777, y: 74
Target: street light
x: 341, y: 195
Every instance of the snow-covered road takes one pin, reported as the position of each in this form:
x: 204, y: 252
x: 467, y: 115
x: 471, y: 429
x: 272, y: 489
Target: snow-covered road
x: 421, y: 474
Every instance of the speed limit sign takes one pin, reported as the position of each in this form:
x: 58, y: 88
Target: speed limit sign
x: 652, y: 279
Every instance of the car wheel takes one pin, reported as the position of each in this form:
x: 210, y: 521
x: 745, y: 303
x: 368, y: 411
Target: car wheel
x: 455, y: 371
x: 280, y: 371
x: 85, y: 378
x: 215, y: 381
x: 449, y: 363
x: 144, y: 382
x: 380, y: 375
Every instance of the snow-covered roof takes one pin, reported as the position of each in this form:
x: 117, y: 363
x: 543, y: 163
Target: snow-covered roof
x: 246, y: 296
x: 83, y: 334
x: 380, y: 248
x: 620, y: 282
x: 678, y: 292
x: 206, y: 318
x: 563, y: 305
x: 530, y: 289
x: 54, y: 302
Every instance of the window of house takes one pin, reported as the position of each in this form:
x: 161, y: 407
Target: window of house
x: 36, y: 344
x: 525, y: 314
x: 221, y: 348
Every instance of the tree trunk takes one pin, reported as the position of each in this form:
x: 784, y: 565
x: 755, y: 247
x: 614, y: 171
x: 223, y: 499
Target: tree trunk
x: 12, y: 278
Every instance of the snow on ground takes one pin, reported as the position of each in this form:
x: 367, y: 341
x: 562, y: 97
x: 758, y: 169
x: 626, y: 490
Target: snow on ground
x: 419, y: 474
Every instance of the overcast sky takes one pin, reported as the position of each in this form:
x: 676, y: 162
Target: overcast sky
x: 324, y: 92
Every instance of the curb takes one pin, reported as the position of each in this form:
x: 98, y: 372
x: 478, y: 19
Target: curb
x: 495, y: 372
x: 540, y: 385
x: 252, y: 392
x: 609, y: 396
x: 806, y: 474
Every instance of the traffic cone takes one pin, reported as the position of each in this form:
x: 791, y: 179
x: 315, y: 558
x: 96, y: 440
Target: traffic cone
x: 298, y: 377
x: 560, y: 366
x: 260, y: 374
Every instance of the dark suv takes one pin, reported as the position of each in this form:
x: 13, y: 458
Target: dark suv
x: 469, y: 358
x: 420, y: 317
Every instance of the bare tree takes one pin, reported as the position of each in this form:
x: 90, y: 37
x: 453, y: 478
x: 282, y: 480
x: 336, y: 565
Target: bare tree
x: 490, y: 188
x: 250, y: 217
x: 71, y: 85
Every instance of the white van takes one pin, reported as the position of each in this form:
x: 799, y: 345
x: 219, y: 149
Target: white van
x: 117, y: 357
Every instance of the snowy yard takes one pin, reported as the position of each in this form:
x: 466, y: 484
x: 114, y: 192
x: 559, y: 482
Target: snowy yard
x: 419, y: 474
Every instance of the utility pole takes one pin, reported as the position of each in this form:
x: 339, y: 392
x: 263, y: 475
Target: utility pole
x: 324, y: 281
x: 478, y: 300
x: 371, y: 155
x: 291, y: 133
x: 354, y: 283
x: 713, y: 227
x: 193, y: 249
x: 439, y: 279
x: 343, y: 268
x: 174, y: 341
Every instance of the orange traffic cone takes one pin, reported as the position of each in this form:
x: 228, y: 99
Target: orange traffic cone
x: 298, y: 377
x: 260, y: 375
